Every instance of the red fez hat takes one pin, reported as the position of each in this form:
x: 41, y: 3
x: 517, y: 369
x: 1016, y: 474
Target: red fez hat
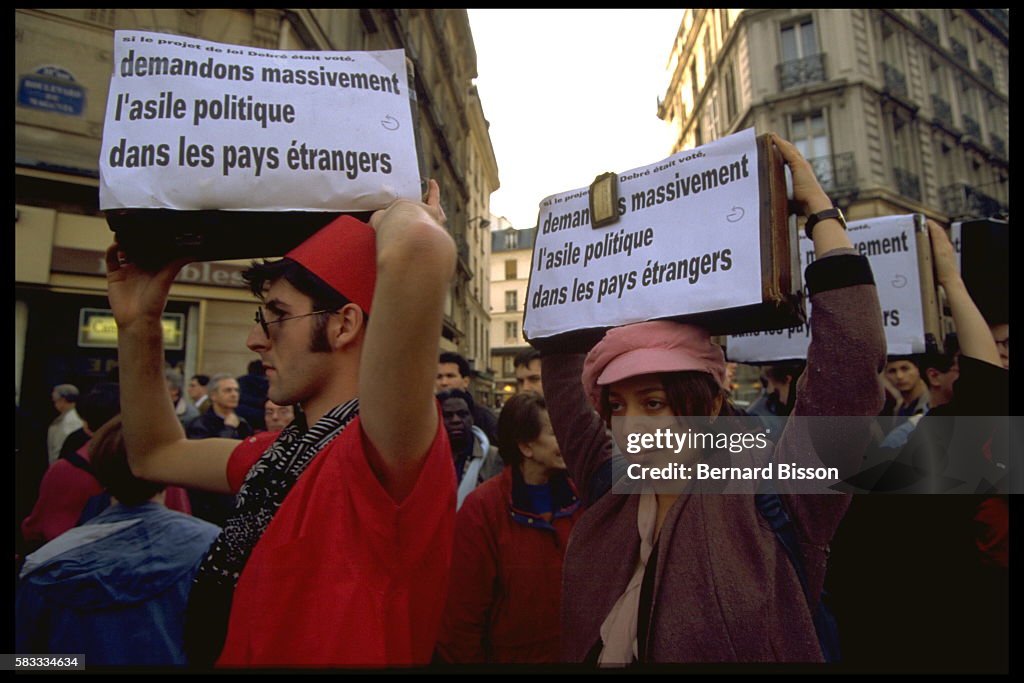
x: 344, y: 255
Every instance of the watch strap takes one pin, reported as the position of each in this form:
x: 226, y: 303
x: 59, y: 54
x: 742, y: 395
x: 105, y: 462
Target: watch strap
x: 814, y: 218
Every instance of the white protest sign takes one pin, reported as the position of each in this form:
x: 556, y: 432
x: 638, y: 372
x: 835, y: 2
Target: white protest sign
x: 192, y: 124
x: 687, y: 241
x: 889, y: 244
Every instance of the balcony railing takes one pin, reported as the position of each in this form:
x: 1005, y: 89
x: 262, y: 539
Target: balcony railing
x: 462, y: 248
x: 836, y: 172
x: 997, y: 144
x: 971, y: 127
x: 930, y: 28
x: 799, y: 72
x: 961, y: 200
x: 895, y: 81
x: 959, y: 51
x: 907, y: 183
x: 986, y: 73
x: 943, y: 112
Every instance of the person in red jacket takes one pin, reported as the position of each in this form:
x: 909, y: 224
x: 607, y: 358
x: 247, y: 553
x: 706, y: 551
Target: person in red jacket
x: 510, y: 537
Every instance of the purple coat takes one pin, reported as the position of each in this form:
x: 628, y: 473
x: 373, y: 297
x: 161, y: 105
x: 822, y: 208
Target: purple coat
x: 724, y: 588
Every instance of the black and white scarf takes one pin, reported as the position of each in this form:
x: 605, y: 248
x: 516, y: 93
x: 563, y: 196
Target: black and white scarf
x: 261, y: 494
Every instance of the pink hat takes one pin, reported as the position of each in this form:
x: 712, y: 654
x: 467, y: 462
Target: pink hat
x: 344, y: 255
x: 643, y: 348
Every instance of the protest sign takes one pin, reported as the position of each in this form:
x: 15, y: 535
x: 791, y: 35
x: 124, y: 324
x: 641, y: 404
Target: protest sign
x: 900, y: 256
x: 700, y: 233
x: 193, y: 124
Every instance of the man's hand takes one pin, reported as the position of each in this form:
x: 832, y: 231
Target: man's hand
x: 807, y: 192
x: 402, y: 211
x: 135, y: 294
x: 943, y: 255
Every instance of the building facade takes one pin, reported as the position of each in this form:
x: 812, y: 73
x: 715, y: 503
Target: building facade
x: 899, y: 111
x: 511, y: 260
x: 63, y: 328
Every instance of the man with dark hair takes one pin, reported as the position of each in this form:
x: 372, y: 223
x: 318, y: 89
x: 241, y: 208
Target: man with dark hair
x: 95, y: 408
x: 940, y: 372
x: 779, y: 396
x: 347, y: 328
x: 528, y: 372
x: 114, y: 589
x: 197, y: 392
x: 475, y: 459
x: 253, y: 395
x: 453, y: 372
x: 904, y: 373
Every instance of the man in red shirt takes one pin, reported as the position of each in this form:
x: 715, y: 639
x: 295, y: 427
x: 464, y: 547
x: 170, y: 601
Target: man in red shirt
x: 337, y: 553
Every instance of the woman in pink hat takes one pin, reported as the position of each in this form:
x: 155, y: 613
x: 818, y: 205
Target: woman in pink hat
x: 676, y: 577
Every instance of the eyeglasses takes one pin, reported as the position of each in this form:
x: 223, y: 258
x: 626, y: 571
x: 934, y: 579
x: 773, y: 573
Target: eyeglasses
x: 265, y: 324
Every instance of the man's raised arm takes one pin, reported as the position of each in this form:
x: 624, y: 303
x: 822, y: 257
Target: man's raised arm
x: 415, y: 265
x: 156, y: 445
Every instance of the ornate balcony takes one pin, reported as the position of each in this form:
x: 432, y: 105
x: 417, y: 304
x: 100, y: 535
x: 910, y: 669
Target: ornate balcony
x: 895, y: 81
x: 997, y: 144
x: 971, y: 127
x: 907, y: 183
x: 943, y: 112
x: 961, y: 200
x: 462, y: 248
x: 797, y: 72
x: 837, y: 173
x: 930, y: 28
x: 959, y: 51
x: 986, y: 73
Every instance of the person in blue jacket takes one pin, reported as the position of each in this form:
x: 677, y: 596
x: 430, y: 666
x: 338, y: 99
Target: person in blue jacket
x: 115, y: 588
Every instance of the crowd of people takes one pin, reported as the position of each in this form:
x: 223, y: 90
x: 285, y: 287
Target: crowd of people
x: 350, y: 503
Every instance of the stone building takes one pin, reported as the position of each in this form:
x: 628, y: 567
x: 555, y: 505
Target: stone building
x: 898, y: 110
x: 511, y: 258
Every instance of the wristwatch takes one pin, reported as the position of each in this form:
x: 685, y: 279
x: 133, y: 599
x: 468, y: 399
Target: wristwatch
x: 813, y: 219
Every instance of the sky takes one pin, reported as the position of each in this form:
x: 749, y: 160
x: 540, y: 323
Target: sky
x: 570, y: 94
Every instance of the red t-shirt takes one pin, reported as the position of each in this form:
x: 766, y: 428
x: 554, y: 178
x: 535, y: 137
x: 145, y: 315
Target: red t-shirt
x: 343, y: 576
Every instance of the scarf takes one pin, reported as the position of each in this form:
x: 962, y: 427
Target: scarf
x: 619, y: 630
x: 264, y: 489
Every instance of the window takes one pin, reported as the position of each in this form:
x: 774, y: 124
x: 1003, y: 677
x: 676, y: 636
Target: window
x: 969, y: 109
x: 707, y: 53
x: 723, y: 21
x: 944, y: 170
x: 511, y: 331
x: 729, y: 84
x: 799, y: 40
x: 809, y: 132
x: 511, y: 300
x: 938, y: 80
x: 511, y: 272
x: 801, y: 61
x: 508, y: 365
x: 903, y: 157
x: 693, y: 82
x: 510, y: 239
